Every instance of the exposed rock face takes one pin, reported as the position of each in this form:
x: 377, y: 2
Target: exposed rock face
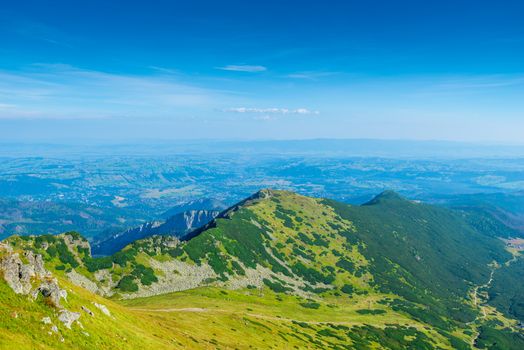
x: 20, y: 277
x: 177, y: 225
x: 36, y: 261
x: 5, y: 247
x: 105, y: 288
x: 49, y: 289
x: 67, y: 317
x: 17, y: 274
x: 177, y: 275
x: 82, y: 281
x: 73, y: 243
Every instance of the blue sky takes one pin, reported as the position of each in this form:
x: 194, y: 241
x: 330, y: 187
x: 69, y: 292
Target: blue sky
x: 127, y: 70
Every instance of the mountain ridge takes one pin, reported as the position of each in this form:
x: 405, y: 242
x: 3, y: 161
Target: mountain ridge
x: 404, y: 257
x: 178, y: 225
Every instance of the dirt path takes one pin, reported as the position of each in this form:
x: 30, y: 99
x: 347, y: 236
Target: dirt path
x: 480, y: 303
x: 268, y: 317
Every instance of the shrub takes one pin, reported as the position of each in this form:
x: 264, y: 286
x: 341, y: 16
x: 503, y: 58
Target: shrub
x: 95, y: 264
x: 127, y: 284
x: 310, y: 305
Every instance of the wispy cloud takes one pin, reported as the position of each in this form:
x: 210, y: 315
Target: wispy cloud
x: 6, y: 106
x: 243, y: 68
x: 483, y: 82
x: 34, y: 30
x: 302, y: 111
x: 164, y: 70
x: 310, y: 75
x: 63, y: 91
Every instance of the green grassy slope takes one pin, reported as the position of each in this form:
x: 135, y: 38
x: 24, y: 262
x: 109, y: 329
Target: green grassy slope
x: 426, y: 254
x: 280, y: 267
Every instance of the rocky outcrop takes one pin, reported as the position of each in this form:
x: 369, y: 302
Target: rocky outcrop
x: 23, y: 272
x: 50, y: 289
x: 5, y: 247
x: 68, y: 317
x: 19, y: 275
x: 16, y: 274
x: 22, y: 276
x: 73, y: 242
x: 36, y: 261
x: 176, y: 276
x: 82, y: 281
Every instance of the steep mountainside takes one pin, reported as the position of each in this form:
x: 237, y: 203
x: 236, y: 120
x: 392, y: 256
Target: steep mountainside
x: 177, y: 225
x: 506, y: 208
x: 44, y: 310
x: 199, y: 204
x: 388, y: 260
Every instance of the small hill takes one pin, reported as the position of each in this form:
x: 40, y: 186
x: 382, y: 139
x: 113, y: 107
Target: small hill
x: 385, y: 197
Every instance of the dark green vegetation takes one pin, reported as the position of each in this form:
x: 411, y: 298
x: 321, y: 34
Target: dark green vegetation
x: 420, y: 267
x: 497, y: 339
x: 507, y: 293
x: 427, y: 255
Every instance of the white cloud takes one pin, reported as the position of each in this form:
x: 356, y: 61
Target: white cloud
x: 243, y: 68
x: 303, y: 111
x: 264, y: 117
x: 310, y: 75
x: 6, y: 106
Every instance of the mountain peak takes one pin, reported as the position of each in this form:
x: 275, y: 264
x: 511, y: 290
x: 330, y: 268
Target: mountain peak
x: 386, y: 196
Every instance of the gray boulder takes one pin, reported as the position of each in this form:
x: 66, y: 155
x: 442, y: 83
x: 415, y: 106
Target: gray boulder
x: 87, y: 311
x: 19, y: 275
x: 49, y: 289
x: 36, y: 261
x: 16, y: 274
x: 102, y: 308
x: 68, y: 317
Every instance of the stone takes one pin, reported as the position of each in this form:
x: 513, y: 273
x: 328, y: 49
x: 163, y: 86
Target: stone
x: 16, y: 274
x: 68, y: 317
x: 102, y: 308
x: 37, y: 262
x: 6, y: 247
x: 82, y: 281
x: 49, y: 289
x: 19, y: 275
x: 87, y: 311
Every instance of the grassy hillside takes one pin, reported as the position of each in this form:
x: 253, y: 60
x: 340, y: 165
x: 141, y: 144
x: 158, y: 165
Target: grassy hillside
x: 280, y: 268
x: 426, y: 254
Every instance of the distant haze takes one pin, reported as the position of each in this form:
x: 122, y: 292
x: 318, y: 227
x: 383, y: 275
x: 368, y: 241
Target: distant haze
x: 313, y: 147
